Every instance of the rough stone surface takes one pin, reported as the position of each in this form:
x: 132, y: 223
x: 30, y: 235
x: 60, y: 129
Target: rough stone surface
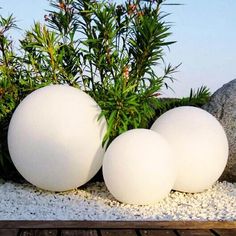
x: 222, y: 105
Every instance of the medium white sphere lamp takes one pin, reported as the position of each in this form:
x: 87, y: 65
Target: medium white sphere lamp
x: 199, y: 143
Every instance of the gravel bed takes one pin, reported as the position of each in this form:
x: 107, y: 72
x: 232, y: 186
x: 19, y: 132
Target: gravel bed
x: 94, y: 202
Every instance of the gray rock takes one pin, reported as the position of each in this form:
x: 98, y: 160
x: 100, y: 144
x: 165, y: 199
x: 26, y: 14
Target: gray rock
x: 222, y: 105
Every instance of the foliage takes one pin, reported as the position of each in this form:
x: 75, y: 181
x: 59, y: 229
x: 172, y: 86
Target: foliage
x: 196, y: 98
x: 118, y: 48
x: 109, y: 51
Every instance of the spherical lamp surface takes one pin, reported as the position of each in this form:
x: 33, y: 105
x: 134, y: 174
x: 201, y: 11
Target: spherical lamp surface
x: 199, y: 143
x: 138, y: 167
x: 55, y: 139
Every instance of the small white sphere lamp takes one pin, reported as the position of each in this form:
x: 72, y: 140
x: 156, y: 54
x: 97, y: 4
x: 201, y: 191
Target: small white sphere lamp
x: 138, y: 167
x: 199, y: 143
x: 55, y: 139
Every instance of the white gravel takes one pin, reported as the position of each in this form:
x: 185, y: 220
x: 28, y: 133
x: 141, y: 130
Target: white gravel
x: 93, y: 202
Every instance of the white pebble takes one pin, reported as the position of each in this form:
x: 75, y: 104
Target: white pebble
x: 94, y: 202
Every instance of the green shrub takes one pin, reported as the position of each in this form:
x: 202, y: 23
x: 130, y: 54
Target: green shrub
x: 109, y: 51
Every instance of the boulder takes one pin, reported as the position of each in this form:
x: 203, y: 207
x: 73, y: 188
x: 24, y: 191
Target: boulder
x: 222, y: 105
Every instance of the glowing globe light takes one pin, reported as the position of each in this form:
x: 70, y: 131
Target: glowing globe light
x: 138, y: 167
x: 55, y: 139
x: 199, y: 143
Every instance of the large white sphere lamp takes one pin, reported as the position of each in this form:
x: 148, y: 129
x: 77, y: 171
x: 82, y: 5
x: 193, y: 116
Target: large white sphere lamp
x: 55, y: 138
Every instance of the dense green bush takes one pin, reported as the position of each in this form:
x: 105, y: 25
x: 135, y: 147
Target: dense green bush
x: 109, y: 51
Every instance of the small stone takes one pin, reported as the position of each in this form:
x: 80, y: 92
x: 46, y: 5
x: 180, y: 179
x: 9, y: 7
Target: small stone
x: 23, y: 202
